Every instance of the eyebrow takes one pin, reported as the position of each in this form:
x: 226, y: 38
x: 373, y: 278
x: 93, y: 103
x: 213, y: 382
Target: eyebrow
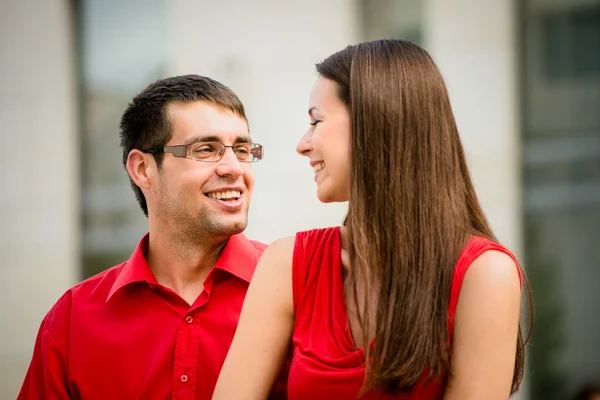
x: 197, y: 139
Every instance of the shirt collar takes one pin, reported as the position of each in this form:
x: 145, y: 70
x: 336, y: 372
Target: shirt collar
x: 239, y: 258
x: 136, y: 269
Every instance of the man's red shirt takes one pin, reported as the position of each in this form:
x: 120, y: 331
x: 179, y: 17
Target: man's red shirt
x: 121, y: 335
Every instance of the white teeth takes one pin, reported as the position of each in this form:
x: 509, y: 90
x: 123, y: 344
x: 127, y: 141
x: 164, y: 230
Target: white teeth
x: 230, y: 194
x: 319, y: 166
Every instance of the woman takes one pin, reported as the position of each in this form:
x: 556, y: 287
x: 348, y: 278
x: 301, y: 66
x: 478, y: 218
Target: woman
x: 383, y: 137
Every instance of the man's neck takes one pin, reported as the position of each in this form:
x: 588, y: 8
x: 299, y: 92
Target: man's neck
x: 182, y: 265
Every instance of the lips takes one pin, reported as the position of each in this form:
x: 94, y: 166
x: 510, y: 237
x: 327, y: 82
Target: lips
x: 227, y: 199
x: 225, y: 195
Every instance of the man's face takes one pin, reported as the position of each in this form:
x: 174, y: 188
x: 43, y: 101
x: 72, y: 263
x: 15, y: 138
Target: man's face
x: 197, y: 197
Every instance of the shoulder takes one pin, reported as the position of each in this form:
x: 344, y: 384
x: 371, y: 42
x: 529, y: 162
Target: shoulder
x: 97, y: 287
x: 293, y: 254
x: 485, y: 256
x: 314, y: 239
x: 286, y: 247
x: 272, y: 281
x: 494, y: 269
x: 484, y: 268
x: 279, y: 252
x: 491, y: 286
x: 90, y: 290
x: 488, y: 262
x: 319, y: 232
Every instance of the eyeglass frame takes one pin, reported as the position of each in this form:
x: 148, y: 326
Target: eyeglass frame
x: 181, y: 151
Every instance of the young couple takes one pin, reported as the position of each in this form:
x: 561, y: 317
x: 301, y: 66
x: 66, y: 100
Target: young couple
x: 412, y: 298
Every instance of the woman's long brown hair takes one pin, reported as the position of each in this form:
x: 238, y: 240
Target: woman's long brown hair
x: 412, y: 209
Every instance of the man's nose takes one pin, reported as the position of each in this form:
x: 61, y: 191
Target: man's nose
x: 229, y: 165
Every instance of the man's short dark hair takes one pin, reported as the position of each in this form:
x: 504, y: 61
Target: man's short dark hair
x: 145, y: 123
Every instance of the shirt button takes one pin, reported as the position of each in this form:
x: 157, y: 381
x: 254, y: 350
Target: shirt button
x: 189, y: 319
x: 184, y: 378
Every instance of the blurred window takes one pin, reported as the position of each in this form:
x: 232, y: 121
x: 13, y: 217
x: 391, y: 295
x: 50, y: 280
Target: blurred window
x: 122, y: 48
x: 560, y: 46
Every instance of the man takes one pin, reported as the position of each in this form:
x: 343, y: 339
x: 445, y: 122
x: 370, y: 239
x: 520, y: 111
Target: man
x: 159, y: 325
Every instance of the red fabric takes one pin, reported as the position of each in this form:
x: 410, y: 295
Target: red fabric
x: 325, y: 363
x: 121, y: 335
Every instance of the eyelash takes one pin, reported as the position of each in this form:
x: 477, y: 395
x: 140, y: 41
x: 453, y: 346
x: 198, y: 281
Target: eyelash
x: 315, y: 123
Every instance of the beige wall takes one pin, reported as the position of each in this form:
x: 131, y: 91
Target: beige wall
x: 39, y: 181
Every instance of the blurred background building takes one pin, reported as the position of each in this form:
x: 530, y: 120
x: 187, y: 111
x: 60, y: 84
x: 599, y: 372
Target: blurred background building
x: 524, y: 79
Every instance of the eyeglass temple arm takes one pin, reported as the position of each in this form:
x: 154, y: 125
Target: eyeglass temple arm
x: 177, y: 151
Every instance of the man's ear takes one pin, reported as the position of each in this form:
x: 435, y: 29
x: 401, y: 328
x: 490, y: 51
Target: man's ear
x: 140, y: 167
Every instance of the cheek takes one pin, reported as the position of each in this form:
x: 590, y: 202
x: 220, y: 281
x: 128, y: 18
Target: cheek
x: 249, y: 179
x: 316, y: 142
x: 332, y: 142
x: 341, y: 152
x: 333, y: 136
x: 341, y: 169
x: 192, y: 181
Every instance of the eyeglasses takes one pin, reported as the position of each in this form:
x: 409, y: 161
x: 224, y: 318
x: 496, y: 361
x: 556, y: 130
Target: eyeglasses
x: 212, y: 151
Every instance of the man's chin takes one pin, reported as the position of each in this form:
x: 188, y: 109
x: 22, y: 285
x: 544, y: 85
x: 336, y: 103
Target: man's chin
x: 238, y: 228
x: 230, y: 226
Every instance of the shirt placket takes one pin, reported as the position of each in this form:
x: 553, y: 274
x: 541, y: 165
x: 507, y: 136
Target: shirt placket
x: 186, y: 358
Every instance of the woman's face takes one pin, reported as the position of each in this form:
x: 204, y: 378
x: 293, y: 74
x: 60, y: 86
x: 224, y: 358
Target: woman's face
x: 327, y: 142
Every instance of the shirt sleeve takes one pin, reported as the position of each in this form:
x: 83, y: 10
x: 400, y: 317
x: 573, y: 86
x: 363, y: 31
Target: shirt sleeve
x: 46, y: 378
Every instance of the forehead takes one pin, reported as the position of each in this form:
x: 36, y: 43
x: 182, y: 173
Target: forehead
x: 200, y: 118
x: 324, y: 94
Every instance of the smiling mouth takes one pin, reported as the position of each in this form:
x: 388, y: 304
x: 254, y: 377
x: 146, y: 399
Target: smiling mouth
x: 319, y: 166
x: 227, y: 196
